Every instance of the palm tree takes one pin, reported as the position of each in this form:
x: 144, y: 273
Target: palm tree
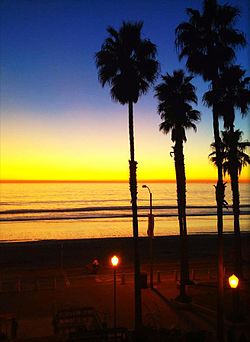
x: 209, y: 40
x: 175, y: 94
x: 234, y: 93
x: 234, y: 159
x: 127, y: 63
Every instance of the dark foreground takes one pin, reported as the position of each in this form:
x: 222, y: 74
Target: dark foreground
x: 41, y: 280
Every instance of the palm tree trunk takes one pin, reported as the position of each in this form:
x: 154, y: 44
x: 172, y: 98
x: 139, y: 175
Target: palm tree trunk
x: 181, y: 201
x: 219, y: 199
x: 133, y: 191
x: 236, y: 210
x: 184, y: 217
x: 233, y: 171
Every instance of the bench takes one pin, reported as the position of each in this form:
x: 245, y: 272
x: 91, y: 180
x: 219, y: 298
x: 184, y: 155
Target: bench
x: 69, y: 321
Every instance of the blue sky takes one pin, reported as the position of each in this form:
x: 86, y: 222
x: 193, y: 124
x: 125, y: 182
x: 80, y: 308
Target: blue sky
x: 49, y: 80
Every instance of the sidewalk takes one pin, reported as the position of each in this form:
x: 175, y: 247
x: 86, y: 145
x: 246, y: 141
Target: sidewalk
x: 34, y: 308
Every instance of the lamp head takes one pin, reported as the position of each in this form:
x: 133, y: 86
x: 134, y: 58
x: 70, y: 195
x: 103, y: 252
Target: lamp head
x: 114, y: 261
x: 144, y: 186
x: 233, y: 281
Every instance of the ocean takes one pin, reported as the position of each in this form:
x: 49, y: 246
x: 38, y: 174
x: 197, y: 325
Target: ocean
x: 45, y: 211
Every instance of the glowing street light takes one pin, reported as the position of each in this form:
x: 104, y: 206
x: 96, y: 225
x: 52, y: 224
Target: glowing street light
x: 115, y: 261
x: 233, y: 283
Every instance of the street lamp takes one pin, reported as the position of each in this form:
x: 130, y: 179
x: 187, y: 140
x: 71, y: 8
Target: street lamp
x: 115, y: 261
x: 234, y: 282
x: 150, y: 233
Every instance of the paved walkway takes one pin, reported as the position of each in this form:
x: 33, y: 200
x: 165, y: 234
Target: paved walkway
x: 36, y: 300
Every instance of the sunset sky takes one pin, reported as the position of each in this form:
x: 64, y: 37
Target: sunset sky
x: 58, y: 123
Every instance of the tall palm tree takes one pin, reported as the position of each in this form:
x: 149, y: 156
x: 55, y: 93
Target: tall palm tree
x: 127, y: 63
x: 234, y: 159
x: 233, y: 93
x: 175, y: 95
x: 209, y: 40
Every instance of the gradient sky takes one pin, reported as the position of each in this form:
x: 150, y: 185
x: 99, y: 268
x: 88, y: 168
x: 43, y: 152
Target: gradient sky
x: 58, y: 123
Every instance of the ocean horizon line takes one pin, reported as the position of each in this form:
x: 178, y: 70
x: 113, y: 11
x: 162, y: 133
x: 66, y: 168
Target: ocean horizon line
x: 27, y: 181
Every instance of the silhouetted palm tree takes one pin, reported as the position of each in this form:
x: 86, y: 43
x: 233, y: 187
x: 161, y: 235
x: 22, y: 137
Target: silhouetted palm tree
x: 234, y: 159
x: 127, y: 63
x: 175, y: 94
x: 233, y: 93
x: 209, y: 40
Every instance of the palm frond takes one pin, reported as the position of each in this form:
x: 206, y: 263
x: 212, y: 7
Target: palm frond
x: 127, y: 62
x: 233, y: 152
x: 208, y: 39
x: 175, y: 95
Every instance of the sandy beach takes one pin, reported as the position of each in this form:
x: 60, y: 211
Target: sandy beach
x: 77, y: 253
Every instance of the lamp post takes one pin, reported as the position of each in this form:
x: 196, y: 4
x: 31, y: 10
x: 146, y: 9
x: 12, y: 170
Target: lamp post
x: 115, y: 262
x: 150, y: 233
x: 234, y: 282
